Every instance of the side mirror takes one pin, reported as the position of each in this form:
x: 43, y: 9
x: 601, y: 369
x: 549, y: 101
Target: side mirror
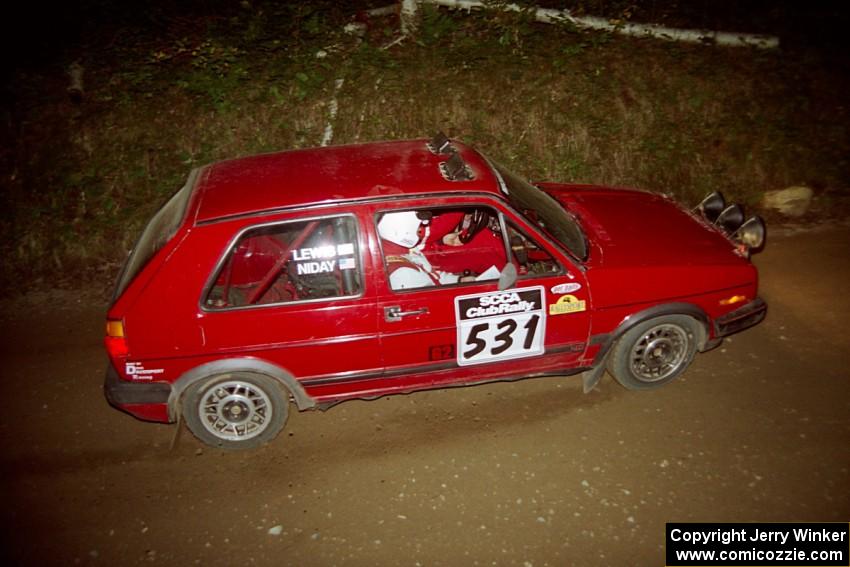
x: 508, y: 277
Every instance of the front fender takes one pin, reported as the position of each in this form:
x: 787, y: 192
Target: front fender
x: 591, y: 377
x: 651, y: 313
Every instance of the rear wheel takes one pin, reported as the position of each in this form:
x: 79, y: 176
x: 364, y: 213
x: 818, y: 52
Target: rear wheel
x: 235, y: 411
x: 654, y: 352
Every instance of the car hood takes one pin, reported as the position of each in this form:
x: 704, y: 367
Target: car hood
x: 635, y: 236
x: 635, y: 228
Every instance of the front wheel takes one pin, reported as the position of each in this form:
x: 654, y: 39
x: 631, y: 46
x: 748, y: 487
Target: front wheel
x: 235, y: 411
x: 654, y: 352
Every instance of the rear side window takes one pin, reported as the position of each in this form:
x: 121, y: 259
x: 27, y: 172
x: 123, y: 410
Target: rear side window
x: 159, y: 230
x: 289, y: 262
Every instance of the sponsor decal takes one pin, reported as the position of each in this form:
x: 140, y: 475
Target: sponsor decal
x: 567, y: 304
x: 485, y: 305
x: 500, y: 325
x: 137, y: 371
x: 566, y: 288
x: 322, y: 259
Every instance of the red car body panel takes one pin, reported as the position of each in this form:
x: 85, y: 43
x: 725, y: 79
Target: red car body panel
x: 330, y: 175
x: 649, y: 249
x: 645, y: 253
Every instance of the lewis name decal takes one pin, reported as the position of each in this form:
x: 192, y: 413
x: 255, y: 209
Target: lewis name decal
x: 322, y: 259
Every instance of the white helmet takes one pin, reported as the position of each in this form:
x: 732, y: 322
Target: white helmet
x: 400, y: 228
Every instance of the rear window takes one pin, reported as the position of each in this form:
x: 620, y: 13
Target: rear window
x: 289, y: 262
x: 159, y: 230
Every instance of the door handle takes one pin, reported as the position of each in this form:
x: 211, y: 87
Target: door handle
x: 394, y: 313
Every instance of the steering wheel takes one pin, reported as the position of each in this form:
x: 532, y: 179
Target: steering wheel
x: 477, y: 221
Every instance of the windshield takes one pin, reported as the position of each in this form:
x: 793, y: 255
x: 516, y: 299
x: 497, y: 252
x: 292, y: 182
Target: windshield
x: 542, y: 211
x: 159, y: 230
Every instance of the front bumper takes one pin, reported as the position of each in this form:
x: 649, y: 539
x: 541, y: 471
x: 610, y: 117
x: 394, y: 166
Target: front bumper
x: 145, y: 400
x: 746, y: 316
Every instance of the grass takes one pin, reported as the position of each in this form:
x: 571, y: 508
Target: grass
x: 79, y: 181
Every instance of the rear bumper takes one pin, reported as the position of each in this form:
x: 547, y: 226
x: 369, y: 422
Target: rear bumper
x: 145, y: 400
x: 750, y: 314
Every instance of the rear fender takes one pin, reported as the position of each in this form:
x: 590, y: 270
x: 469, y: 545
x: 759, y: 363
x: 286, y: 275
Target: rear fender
x: 231, y: 365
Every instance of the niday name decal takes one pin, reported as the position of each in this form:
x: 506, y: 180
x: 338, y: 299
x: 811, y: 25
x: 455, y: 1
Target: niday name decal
x: 138, y: 372
x: 322, y: 259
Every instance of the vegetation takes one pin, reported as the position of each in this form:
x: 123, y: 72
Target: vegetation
x: 79, y: 180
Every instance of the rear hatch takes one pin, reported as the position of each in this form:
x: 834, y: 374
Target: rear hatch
x: 159, y: 230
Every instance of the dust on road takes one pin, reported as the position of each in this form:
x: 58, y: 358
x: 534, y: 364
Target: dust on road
x: 525, y: 473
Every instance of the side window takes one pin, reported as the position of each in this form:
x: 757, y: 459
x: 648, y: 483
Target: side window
x: 441, y: 246
x: 530, y: 258
x: 292, y: 261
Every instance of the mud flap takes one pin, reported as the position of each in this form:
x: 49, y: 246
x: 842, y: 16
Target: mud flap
x: 176, y: 438
x: 590, y: 378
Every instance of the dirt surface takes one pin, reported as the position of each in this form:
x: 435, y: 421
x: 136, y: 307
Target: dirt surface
x: 526, y: 473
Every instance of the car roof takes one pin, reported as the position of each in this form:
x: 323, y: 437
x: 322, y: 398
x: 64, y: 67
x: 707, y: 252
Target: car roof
x: 317, y: 176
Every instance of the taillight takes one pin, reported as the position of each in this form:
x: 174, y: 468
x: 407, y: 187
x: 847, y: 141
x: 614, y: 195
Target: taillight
x: 115, y: 341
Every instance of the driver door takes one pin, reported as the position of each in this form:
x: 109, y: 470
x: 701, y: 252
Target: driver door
x: 463, y: 328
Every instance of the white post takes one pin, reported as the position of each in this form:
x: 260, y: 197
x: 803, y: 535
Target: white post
x: 409, y: 16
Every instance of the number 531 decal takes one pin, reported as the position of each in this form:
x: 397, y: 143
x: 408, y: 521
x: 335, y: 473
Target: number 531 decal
x: 500, y: 325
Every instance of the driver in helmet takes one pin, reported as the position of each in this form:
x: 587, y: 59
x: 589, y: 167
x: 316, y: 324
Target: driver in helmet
x: 403, y: 234
x: 455, y: 245
x: 416, y: 248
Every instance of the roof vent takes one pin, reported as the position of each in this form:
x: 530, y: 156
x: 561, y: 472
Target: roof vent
x: 440, y: 144
x: 455, y: 169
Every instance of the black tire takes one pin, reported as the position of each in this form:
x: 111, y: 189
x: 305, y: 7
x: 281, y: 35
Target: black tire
x: 655, y: 351
x: 236, y: 411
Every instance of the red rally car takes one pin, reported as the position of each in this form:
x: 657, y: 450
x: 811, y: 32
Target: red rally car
x: 321, y: 275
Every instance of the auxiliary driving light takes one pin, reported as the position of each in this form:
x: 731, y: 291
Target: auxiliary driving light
x: 730, y: 219
x: 711, y: 206
x: 751, y: 233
